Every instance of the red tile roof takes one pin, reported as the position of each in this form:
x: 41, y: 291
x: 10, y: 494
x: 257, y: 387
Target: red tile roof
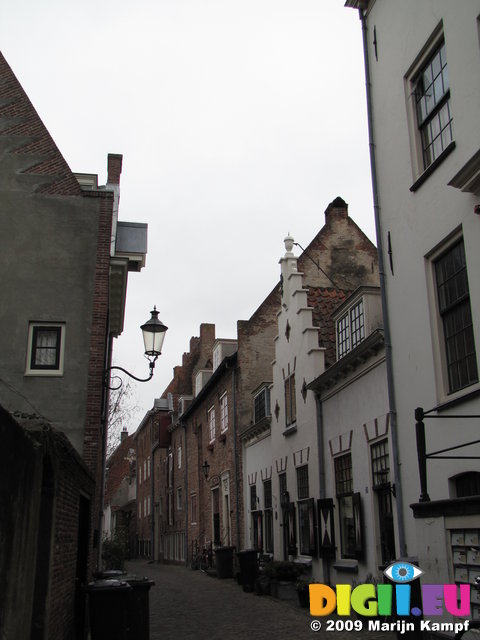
x: 324, y: 301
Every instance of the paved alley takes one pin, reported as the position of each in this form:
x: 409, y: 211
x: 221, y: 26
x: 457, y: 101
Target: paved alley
x: 188, y: 605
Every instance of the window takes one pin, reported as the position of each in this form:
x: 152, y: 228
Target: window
x: 302, y: 482
x: 268, y: 515
x: 349, y: 508
x: 306, y: 527
x: 148, y: 467
x: 253, y: 497
x: 211, y: 424
x: 261, y: 405
x: 179, y: 499
x: 382, y: 488
x: 290, y: 402
x: 45, y: 349
x: 282, y: 487
x: 223, y: 413
x: 350, y: 329
x: 454, y: 307
x: 432, y: 102
x: 467, y: 484
x: 217, y: 356
x: 179, y: 457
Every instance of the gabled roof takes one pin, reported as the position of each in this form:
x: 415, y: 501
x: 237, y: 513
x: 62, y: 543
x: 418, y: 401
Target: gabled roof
x: 23, y: 134
x: 324, y: 301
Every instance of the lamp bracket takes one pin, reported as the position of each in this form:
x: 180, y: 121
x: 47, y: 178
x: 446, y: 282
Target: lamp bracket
x: 151, y: 365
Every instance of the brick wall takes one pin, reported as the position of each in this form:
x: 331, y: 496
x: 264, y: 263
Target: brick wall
x: 95, y: 436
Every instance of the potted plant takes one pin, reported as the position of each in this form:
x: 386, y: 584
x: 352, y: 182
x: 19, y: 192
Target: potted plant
x: 303, y: 593
x: 283, y: 575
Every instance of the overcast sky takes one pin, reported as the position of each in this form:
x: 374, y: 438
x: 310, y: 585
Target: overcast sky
x: 238, y: 121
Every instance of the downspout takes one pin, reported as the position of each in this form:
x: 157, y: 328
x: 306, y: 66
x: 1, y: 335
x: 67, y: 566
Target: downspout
x: 237, y: 502
x: 152, y: 506
x: 104, y: 426
x: 186, y: 499
x: 383, y: 295
x: 321, y: 473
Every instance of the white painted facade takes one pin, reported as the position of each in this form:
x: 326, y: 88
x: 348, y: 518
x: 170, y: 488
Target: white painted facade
x: 353, y: 423
x: 425, y: 208
x: 298, y: 358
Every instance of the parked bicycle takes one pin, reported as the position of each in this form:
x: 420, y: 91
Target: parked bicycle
x: 201, y: 559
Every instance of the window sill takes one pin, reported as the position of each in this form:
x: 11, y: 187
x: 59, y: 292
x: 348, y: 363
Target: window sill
x: 347, y: 566
x: 458, y: 397
x: 290, y: 430
x: 52, y: 373
x: 431, y: 168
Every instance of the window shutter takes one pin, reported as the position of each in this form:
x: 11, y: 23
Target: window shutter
x: 326, y: 528
x: 357, y: 516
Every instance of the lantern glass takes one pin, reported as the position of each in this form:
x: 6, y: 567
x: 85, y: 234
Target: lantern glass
x: 153, y: 335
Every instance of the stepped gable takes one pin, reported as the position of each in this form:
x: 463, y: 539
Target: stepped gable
x: 23, y: 134
x: 324, y: 301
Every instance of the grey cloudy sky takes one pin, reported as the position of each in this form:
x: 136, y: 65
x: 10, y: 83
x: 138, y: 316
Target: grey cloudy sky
x: 239, y: 121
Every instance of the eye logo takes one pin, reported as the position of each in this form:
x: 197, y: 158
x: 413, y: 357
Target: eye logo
x: 402, y: 572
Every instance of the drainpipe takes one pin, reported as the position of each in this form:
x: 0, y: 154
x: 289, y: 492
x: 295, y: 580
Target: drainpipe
x: 186, y: 498
x: 321, y: 473
x: 104, y: 427
x: 383, y: 294
x: 237, y: 502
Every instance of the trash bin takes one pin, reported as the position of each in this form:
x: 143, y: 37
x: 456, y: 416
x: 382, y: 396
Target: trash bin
x: 109, y: 607
x: 138, y: 607
x: 224, y: 562
x: 247, y: 560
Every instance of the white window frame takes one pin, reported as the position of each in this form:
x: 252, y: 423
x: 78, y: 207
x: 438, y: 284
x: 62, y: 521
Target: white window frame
x: 348, y: 345
x: 223, y: 412
x: 211, y: 424
x: 179, y: 456
x: 437, y: 334
x: 35, y: 371
x: 410, y: 81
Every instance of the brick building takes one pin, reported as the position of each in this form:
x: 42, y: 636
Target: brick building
x: 64, y: 273
x: 119, y: 507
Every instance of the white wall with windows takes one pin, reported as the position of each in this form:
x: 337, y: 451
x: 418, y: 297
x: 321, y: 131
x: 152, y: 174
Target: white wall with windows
x: 425, y: 111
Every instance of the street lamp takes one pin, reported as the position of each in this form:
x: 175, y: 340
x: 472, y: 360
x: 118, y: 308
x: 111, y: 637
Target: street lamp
x: 153, y: 331
x: 205, y: 469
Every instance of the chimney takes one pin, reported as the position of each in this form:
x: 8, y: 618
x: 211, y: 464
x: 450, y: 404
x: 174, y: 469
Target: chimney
x: 338, y: 209
x: 124, y: 434
x: 114, y: 165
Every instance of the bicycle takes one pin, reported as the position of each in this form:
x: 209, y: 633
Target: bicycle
x: 201, y: 560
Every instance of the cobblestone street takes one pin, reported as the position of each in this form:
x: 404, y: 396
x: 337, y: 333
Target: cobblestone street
x: 188, y: 605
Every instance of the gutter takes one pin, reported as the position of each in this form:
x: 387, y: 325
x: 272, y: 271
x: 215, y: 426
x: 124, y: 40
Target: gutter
x: 383, y: 294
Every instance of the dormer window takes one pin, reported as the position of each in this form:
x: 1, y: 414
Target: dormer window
x: 350, y: 329
x: 201, y: 379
